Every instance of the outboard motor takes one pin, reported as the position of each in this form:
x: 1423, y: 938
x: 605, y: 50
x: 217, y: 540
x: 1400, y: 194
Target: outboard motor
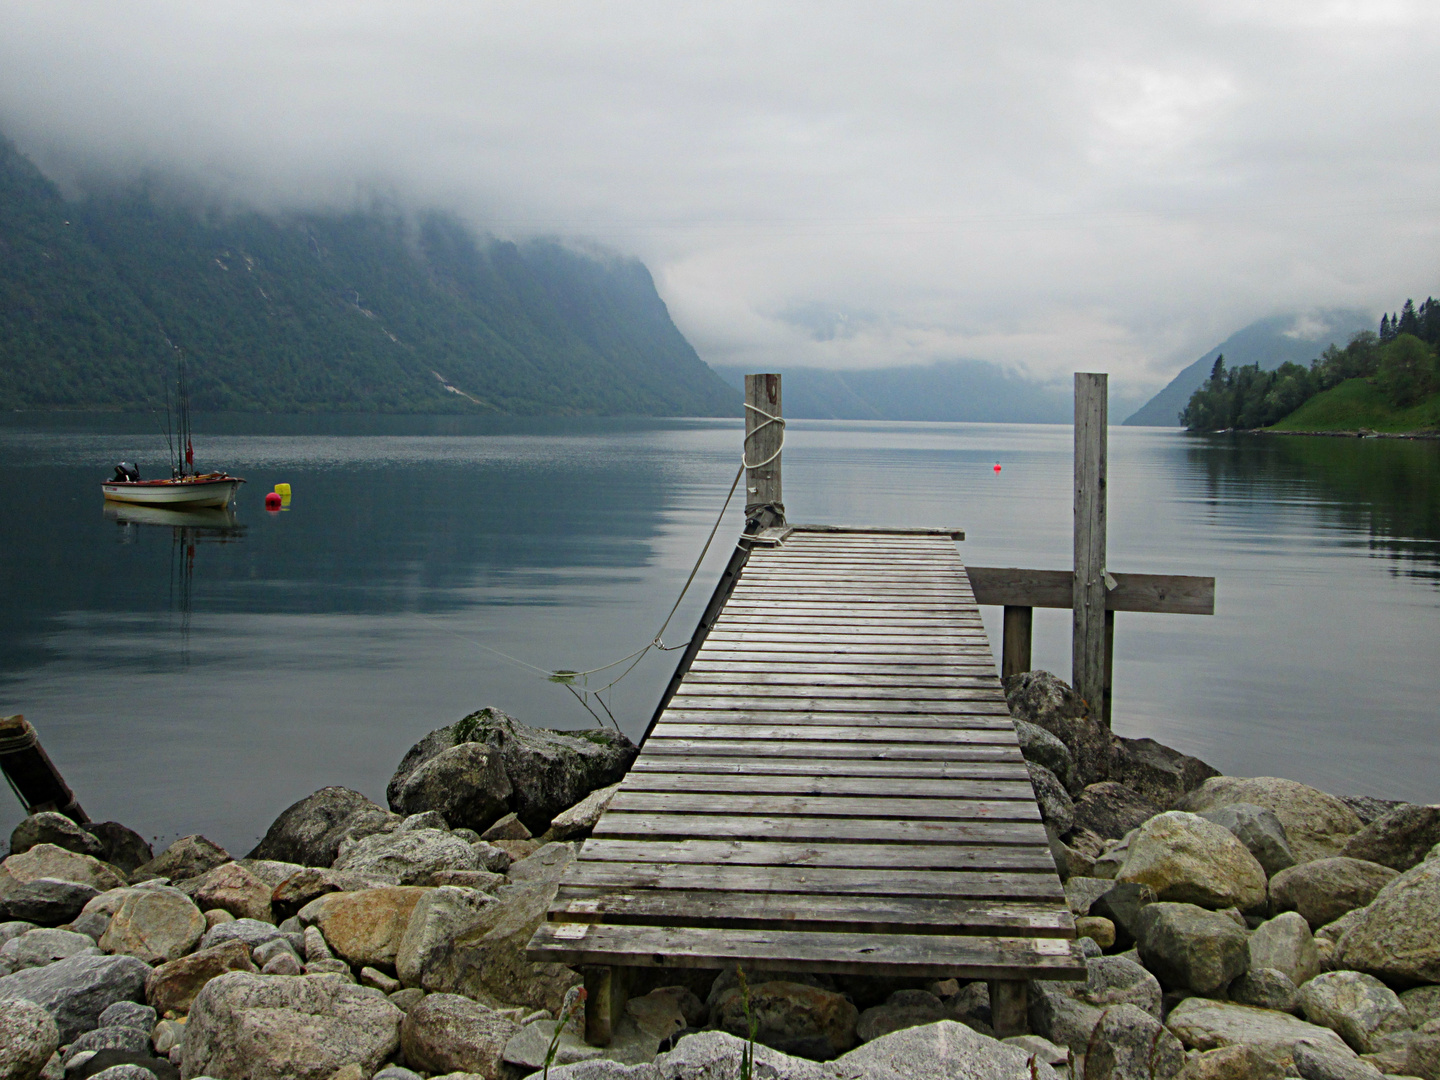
x: 125, y: 473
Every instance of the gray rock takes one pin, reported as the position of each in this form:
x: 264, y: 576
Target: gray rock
x: 75, y: 991
x: 1130, y: 1044
x: 28, y: 1036
x: 581, y: 818
x: 1400, y: 839
x: 263, y: 954
x: 1066, y: 1012
x: 49, y: 861
x: 971, y: 1004
x: 1422, y: 1003
x: 1204, y: 1024
x: 188, y: 857
x: 1187, y: 859
x: 265, y: 1027
x: 1040, y: 698
x: 252, y: 932
x: 1055, y: 806
x: 1043, y: 748
x: 136, y: 1040
x: 372, y: 977
x: 14, y: 928
x: 1394, y: 938
x: 1357, y: 1007
x: 36, y: 948
x: 1155, y: 770
x: 406, y: 999
x: 428, y: 819
x: 92, y: 924
x: 308, y: 832
x: 1189, y: 948
x: 1423, y: 1056
x: 49, y: 902
x: 231, y: 887
x: 1314, y: 1061
x: 120, y: 846
x: 941, y: 1051
x: 316, y: 947
x: 1334, y: 931
x: 528, y: 1046
x: 395, y: 1072
x: 129, y: 1014
x: 439, y: 917
x: 1265, y: 988
x: 173, y: 987
x: 791, y: 1017
x: 448, y: 1033
x: 1081, y: 892
x: 537, y: 773
x: 125, y: 1072
x: 509, y: 827
x: 407, y: 858
x: 904, y: 1009
x: 1324, y: 889
x: 156, y: 925
x: 1316, y: 824
x: 1111, y: 810
x: 365, y: 928
x: 1367, y: 807
x: 1259, y: 830
x: 286, y: 963
x: 1115, y: 980
x: 1285, y: 944
x: 1122, y: 904
x: 1069, y: 862
x: 271, y: 871
x: 49, y: 827
x: 1041, y: 1049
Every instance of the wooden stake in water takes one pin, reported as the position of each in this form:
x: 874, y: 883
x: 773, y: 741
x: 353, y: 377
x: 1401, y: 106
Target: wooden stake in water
x: 763, y: 439
x: 1087, y: 659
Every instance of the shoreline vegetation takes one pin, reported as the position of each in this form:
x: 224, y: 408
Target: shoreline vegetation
x: 1380, y: 384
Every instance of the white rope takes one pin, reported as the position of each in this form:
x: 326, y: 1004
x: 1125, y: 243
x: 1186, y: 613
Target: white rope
x: 756, y: 430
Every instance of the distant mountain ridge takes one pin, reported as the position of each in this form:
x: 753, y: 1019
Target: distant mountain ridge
x: 955, y: 390
x: 367, y: 311
x: 1268, y: 342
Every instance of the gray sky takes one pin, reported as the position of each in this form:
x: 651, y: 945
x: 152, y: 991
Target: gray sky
x: 1048, y: 185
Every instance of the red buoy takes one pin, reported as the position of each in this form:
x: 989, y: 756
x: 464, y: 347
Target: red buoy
x: 997, y: 466
x: 272, y: 501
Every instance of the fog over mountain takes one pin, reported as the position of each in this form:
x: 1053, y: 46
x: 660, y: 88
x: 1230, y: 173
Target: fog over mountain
x: 1045, y: 187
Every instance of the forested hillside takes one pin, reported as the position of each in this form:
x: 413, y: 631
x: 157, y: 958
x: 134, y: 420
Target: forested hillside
x: 366, y: 311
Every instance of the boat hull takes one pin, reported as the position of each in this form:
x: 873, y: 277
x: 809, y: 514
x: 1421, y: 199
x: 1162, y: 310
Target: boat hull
x: 177, y: 493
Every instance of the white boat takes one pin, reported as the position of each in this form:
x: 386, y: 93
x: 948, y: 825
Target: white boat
x: 207, y: 489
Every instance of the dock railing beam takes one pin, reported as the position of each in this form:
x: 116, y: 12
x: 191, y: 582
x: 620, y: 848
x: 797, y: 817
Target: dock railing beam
x: 764, y: 501
x: 1087, y: 649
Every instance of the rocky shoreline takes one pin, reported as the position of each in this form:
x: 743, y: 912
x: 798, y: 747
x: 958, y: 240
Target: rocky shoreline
x: 1236, y: 928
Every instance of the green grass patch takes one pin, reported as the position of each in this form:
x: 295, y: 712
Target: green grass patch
x: 1356, y: 404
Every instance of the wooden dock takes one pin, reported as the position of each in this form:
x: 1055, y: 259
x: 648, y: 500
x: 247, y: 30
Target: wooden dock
x: 833, y: 786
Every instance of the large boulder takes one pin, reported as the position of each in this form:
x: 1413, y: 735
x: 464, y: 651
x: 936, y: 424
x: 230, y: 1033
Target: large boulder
x: 904, y: 1008
x: 277, y: 1027
x: 1203, y: 1024
x: 1397, y: 936
x: 49, y: 827
x: 119, y: 845
x: 75, y: 991
x: 1043, y: 748
x: 1155, y: 770
x: 1190, y: 948
x: 485, y: 960
x: 447, y: 1033
x: 155, y: 925
x: 408, y: 856
x: 1285, y: 944
x: 791, y: 1017
x: 946, y: 1050
x: 1122, y: 904
x: 509, y: 767
x: 28, y: 1036
x: 309, y: 832
x: 1325, y: 889
x: 1111, y: 810
x: 1357, y: 1007
x: 1423, y: 1058
x: 1316, y: 824
x: 1400, y: 839
x: 1259, y: 830
x: 1066, y: 1012
x: 50, y: 861
x: 1187, y: 859
x: 172, y: 987
x: 1130, y: 1044
x: 1040, y: 698
x: 297, y: 890
x: 438, y: 917
x: 48, y: 901
x: 36, y: 948
x: 1054, y: 801
x: 233, y: 888
x: 1265, y: 988
x: 364, y: 928
x: 188, y: 857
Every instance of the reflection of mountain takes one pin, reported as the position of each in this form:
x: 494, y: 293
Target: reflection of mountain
x: 1389, y: 488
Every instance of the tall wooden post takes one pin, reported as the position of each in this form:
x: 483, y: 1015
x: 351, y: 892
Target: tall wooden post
x: 764, y: 505
x: 1087, y: 657
x: 1015, y: 644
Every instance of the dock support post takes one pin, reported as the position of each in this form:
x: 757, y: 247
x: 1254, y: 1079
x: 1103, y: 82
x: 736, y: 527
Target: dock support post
x: 1009, y: 1007
x: 1015, y: 645
x: 764, y: 503
x: 604, y: 1002
x: 1087, y: 664
x: 31, y: 774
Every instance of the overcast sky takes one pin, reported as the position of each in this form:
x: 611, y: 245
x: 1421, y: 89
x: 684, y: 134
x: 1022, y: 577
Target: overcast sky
x: 1054, y: 186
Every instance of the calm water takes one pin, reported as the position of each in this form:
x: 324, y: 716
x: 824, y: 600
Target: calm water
x: 201, y: 680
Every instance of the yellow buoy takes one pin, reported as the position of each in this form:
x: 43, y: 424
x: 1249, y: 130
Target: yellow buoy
x: 282, y: 490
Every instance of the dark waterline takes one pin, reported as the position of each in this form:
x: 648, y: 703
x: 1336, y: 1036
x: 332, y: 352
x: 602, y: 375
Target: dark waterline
x: 202, y: 679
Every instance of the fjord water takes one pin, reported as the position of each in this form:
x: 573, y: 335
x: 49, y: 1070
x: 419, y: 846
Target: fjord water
x: 201, y: 679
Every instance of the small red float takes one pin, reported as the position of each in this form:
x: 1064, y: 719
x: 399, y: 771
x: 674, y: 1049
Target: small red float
x: 272, y: 501
x: 997, y: 466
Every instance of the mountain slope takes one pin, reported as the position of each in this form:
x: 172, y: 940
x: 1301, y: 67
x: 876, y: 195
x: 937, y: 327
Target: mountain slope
x: 1267, y: 342
x: 957, y: 390
x: 365, y: 311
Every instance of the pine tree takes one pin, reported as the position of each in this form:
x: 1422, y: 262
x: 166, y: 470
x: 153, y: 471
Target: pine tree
x: 1384, y: 327
x: 1408, y: 324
